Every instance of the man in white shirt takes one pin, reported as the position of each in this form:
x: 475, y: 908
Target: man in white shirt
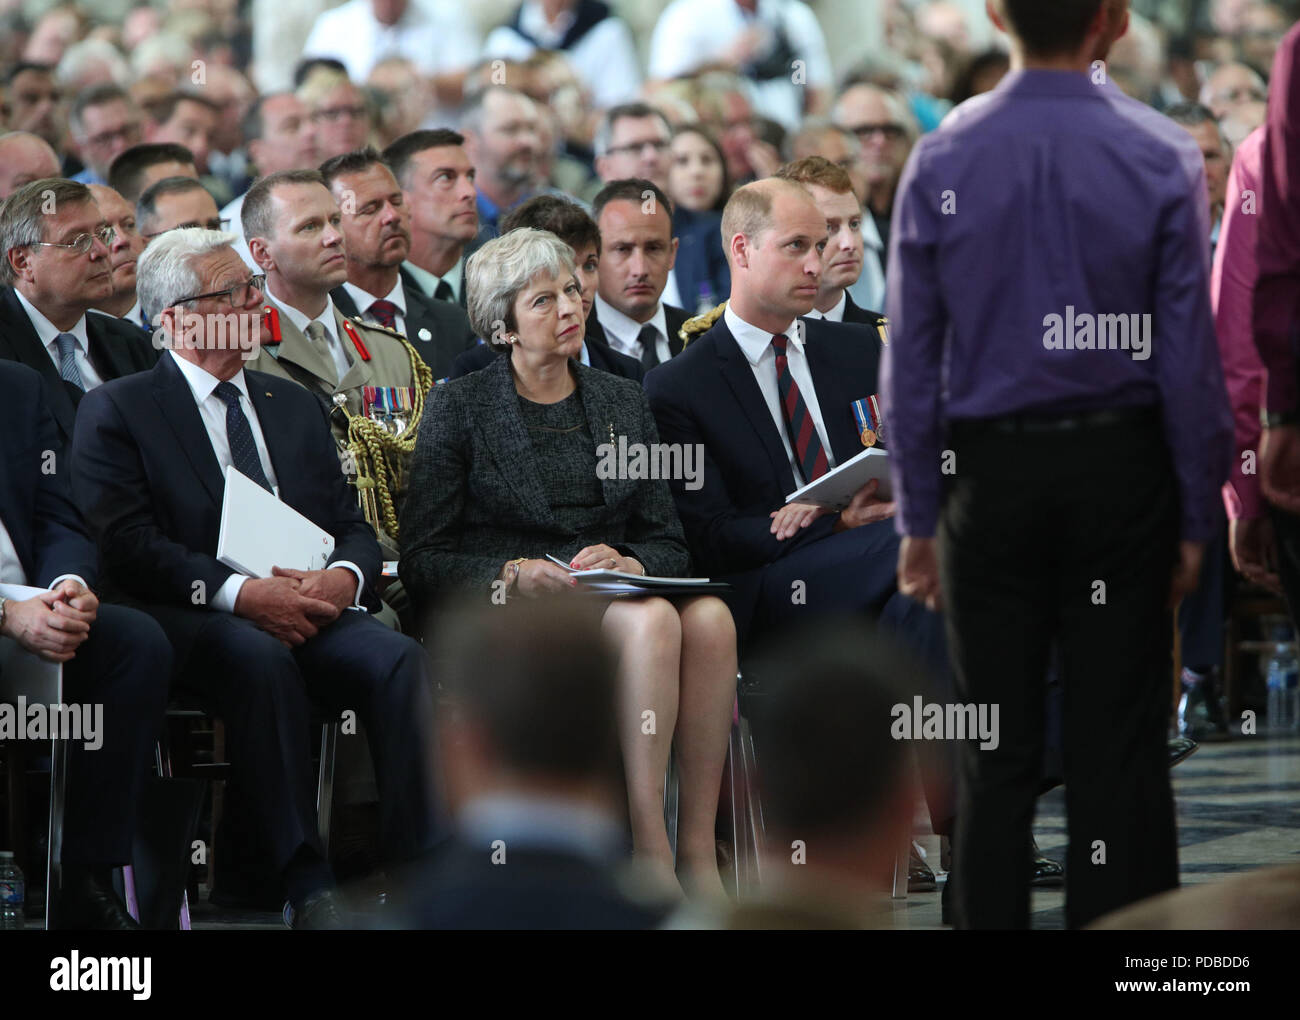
x: 438, y: 39
x: 598, y: 45
x: 637, y: 250
x: 149, y: 477
x: 438, y: 188
x: 777, y: 44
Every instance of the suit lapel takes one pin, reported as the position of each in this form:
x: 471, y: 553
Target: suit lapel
x: 357, y: 374
x: 176, y: 401
x: 286, y: 457
x: 502, y: 428
x: 831, y: 380
x: 674, y: 318
x: 27, y: 348
x: 343, y: 301
x: 739, y: 376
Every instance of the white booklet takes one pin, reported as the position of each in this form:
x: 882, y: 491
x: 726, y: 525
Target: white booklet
x: 259, y: 532
x: 608, y: 577
x: 835, y: 489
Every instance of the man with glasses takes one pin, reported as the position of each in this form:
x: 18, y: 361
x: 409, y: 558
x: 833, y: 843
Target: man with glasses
x: 886, y: 131
x: 123, y: 252
x: 104, y: 122
x: 55, y: 245
x: 148, y: 472
x: 176, y: 202
x: 340, y: 114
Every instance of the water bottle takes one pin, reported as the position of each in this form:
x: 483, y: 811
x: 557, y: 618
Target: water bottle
x: 1283, y: 672
x: 12, y: 893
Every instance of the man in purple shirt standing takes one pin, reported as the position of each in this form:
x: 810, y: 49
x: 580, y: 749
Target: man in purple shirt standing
x: 1058, y: 419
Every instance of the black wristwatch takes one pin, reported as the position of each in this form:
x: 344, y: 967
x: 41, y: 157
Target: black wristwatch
x: 1278, y: 419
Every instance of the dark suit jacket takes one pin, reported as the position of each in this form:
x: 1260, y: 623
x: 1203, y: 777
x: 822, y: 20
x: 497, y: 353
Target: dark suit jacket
x: 35, y: 496
x: 703, y: 275
x: 538, y: 890
x: 438, y: 330
x: 148, y: 483
x: 853, y: 312
x: 673, y: 318
x: 601, y: 355
x: 409, y: 282
x: 709, y: 395
x: 116, y: 348
x: 476, y: 500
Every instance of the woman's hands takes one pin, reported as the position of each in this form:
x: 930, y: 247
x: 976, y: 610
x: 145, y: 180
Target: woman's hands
x: 602, y: 557
x: 539, y: 577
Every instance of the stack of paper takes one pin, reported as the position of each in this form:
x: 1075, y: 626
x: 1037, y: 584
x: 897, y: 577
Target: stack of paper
x: 620, y: 582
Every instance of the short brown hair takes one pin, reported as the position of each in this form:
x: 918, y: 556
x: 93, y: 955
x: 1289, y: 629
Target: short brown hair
x: 749, y: 209
x: 1046, y: 29
x: 817, y: 170
x: 255, y: 215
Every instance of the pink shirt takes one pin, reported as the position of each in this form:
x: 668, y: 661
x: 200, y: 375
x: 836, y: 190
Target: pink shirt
x: 1232, y: 289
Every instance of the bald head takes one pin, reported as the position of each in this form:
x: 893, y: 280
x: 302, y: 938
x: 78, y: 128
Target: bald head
x: 774, y: 235
x: 25, y: 157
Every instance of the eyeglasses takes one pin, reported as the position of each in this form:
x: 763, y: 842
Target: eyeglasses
x: 82, y: 243
x: 891, y: 132
x: 206, y: 224
x: 238, y: 295
x: 128, y: 133
x: 339, y: 113
x: 639, y: 147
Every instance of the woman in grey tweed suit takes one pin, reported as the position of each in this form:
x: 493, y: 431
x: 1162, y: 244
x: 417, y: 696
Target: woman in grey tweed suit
x: 505, y: 472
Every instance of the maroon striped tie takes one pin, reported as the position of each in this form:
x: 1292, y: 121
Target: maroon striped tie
x: 385, y: 313
x: 798, y: 421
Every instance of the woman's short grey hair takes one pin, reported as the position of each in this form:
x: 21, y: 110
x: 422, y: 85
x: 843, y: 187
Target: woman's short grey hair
x: 497, y: 273
x: 166, y: 272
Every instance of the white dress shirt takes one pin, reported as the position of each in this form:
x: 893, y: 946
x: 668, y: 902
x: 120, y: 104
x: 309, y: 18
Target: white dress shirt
x: 233, y: 211
x: 364, y: 299
x: 337, y: 352
x: 757, y: 346
x: 436, y: 38
x: 836, y: 314
x: 692, y: 33
x: 622, y: 331
x: 48, y: 334
x: 212, y: 409
x: 605, y: 58
x: 429, y: 281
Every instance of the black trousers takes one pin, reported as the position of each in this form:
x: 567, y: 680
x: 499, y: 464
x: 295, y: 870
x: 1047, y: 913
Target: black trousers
x: 264, y: 692
x: 1066, y: 536
x: 856, y: 572
x: 125, y: 666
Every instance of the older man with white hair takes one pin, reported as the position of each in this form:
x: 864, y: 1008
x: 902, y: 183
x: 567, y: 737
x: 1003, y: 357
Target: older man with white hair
x: 150, y: 473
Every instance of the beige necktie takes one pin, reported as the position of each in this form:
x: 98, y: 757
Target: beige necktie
x: 316, y: 334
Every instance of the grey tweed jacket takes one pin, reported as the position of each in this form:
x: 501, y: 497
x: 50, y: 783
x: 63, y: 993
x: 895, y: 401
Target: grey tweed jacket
x: 475, y: 499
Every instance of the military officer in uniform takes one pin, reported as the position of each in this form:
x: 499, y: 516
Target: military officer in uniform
x: 372, y: 380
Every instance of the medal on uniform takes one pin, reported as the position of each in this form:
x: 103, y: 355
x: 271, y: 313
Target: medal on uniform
x: 351, y: 331
x: 866, y: 413
x: 390, y: 406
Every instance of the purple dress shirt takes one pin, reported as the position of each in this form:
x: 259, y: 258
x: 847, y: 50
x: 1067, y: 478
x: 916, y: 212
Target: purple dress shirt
x: 1277, y: 291
x: 1042, y: 220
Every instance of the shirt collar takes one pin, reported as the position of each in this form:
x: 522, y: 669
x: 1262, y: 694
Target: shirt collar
x: 364, y: 299
x: 1050, y: 83
x: 429, y: 281
x: 534, y: 822
x: 301, y: 322
x: 46, y: 331
x: 836, y: 314
x: 202, y: 382
x: 624, y: 326
x: 533, y: 21
x: 755, y: 342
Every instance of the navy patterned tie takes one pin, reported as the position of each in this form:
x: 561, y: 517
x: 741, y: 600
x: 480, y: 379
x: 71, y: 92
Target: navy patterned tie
x: 243, y: 450
x: 68, y: 360
x: 798, y: 420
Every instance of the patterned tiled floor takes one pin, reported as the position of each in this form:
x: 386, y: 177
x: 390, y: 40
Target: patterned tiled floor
x: 1238, y: 809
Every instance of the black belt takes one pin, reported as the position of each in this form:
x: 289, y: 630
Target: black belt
x: 1013, y: 424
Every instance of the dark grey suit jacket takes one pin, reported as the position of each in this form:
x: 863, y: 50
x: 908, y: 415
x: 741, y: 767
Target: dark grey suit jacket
x: 476, y: 501
x: 438, y: 330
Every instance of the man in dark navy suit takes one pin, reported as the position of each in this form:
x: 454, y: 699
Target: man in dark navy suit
x: 148, y: 469
x: 111, y: 655
x: 54, y: 255
x: 771, y: 398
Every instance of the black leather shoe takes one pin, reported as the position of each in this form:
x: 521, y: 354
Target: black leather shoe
x: 1043, y: 870
x: 318, y: 912
x: 1200, y: 717
x: 85, y: 904
x: 919, y: 876
x: 1181, y: 748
